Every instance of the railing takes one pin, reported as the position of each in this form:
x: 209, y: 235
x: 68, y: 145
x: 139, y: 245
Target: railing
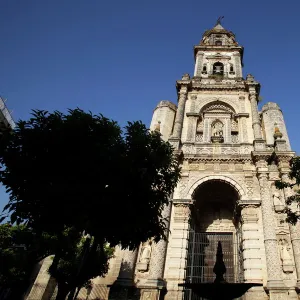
x: 201, y: 258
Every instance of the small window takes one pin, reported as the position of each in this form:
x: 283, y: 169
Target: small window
x: 218, y: 43
x: 231, y: 68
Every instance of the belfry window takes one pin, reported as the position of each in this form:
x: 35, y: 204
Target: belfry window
x: 231, y: 68
x: 218, y: 43
x: 204, y: 70
x: 218, y: 68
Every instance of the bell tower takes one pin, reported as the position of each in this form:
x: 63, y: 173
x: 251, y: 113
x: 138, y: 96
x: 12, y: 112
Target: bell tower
x: 231, y: 154
x: 218, y: 54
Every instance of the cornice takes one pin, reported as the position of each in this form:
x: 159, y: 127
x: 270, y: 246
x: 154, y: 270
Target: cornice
x: 242, y: 158
x: 245, y: 203
x: 242, y: 115
x: 224, y: 48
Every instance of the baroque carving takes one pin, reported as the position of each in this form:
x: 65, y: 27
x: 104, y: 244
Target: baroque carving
x: 182, y: 212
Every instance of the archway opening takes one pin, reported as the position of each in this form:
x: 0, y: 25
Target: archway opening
x: 215, y: 218
x: 218, y: 68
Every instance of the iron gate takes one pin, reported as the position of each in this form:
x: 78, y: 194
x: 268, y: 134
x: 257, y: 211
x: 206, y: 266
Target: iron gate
x: 201, y: 258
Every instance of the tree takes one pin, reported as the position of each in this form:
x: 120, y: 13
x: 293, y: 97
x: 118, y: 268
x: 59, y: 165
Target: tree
x: 80, y: 171
x: 293, y: 201
x: 19, y: 252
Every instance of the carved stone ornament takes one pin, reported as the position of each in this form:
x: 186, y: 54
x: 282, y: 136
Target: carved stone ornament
x: 182, y: 212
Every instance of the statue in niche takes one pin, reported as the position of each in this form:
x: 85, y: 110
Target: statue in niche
x: 217, y: 132
x: 145, y: 257
x: 217, y: 129
x: 146, y: 253
x: 278, y: 205
x: 287, y: 263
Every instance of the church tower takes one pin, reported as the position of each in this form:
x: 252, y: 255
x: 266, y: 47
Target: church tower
x: 227, y: 193
x: 231, y: 154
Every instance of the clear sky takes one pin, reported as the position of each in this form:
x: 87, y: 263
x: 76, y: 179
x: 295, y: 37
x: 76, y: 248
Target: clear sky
x: 121, y: 57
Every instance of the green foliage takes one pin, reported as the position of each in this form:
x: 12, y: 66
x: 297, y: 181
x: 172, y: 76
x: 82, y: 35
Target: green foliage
x: 81, y: 173
x: 20, y: 250
x: 293, y: 202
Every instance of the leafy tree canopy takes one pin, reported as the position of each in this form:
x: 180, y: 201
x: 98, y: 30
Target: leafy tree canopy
x: 77, y: 172
x: 80, y: 170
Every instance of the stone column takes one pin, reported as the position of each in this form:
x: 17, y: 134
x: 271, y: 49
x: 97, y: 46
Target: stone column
x: 295, y: 234
x: 274, y: 271
x: 180, y: 113
x: 251, y: 241
x: 255, y: 117
x: 155, y: 283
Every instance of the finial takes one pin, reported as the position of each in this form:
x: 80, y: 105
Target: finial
x: 277, y: 133
x: 219, y: 20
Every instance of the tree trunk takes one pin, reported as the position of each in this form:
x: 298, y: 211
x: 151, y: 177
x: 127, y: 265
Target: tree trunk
x: 62, y: 292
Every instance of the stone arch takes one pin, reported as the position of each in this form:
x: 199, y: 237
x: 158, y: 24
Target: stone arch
x: 222, y: 100
x: 226, y: 179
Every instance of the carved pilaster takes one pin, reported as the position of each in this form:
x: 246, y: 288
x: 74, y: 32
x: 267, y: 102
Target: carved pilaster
x: 270, y: 240
x: 295, y: 233
x: 192, y: 124
x: 199, y: 64
x: 251, y: 240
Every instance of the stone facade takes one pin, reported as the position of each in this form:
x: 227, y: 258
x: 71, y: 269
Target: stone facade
x: 226, y: 189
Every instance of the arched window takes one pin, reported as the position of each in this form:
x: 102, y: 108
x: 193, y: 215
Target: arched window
x: 204, y: 70
x: 218, y: 43
x: 218, y: 68
x: 231, y: 68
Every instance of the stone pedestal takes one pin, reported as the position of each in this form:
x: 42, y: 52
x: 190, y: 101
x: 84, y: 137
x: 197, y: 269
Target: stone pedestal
x: 124, y: 285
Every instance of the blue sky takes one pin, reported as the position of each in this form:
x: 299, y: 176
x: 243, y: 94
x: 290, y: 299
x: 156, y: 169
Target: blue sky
x: 121, y: 57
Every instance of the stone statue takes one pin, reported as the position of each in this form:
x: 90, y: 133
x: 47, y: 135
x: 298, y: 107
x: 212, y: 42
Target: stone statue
x: 145, y: 257
x: 217, y: 129
x: 284, y: 253
x: 146, y: 253
x: 278, y: 205
x: 276, y: 198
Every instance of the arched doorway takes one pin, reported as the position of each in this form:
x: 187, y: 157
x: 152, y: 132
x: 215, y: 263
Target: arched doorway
x: 214, y: 218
